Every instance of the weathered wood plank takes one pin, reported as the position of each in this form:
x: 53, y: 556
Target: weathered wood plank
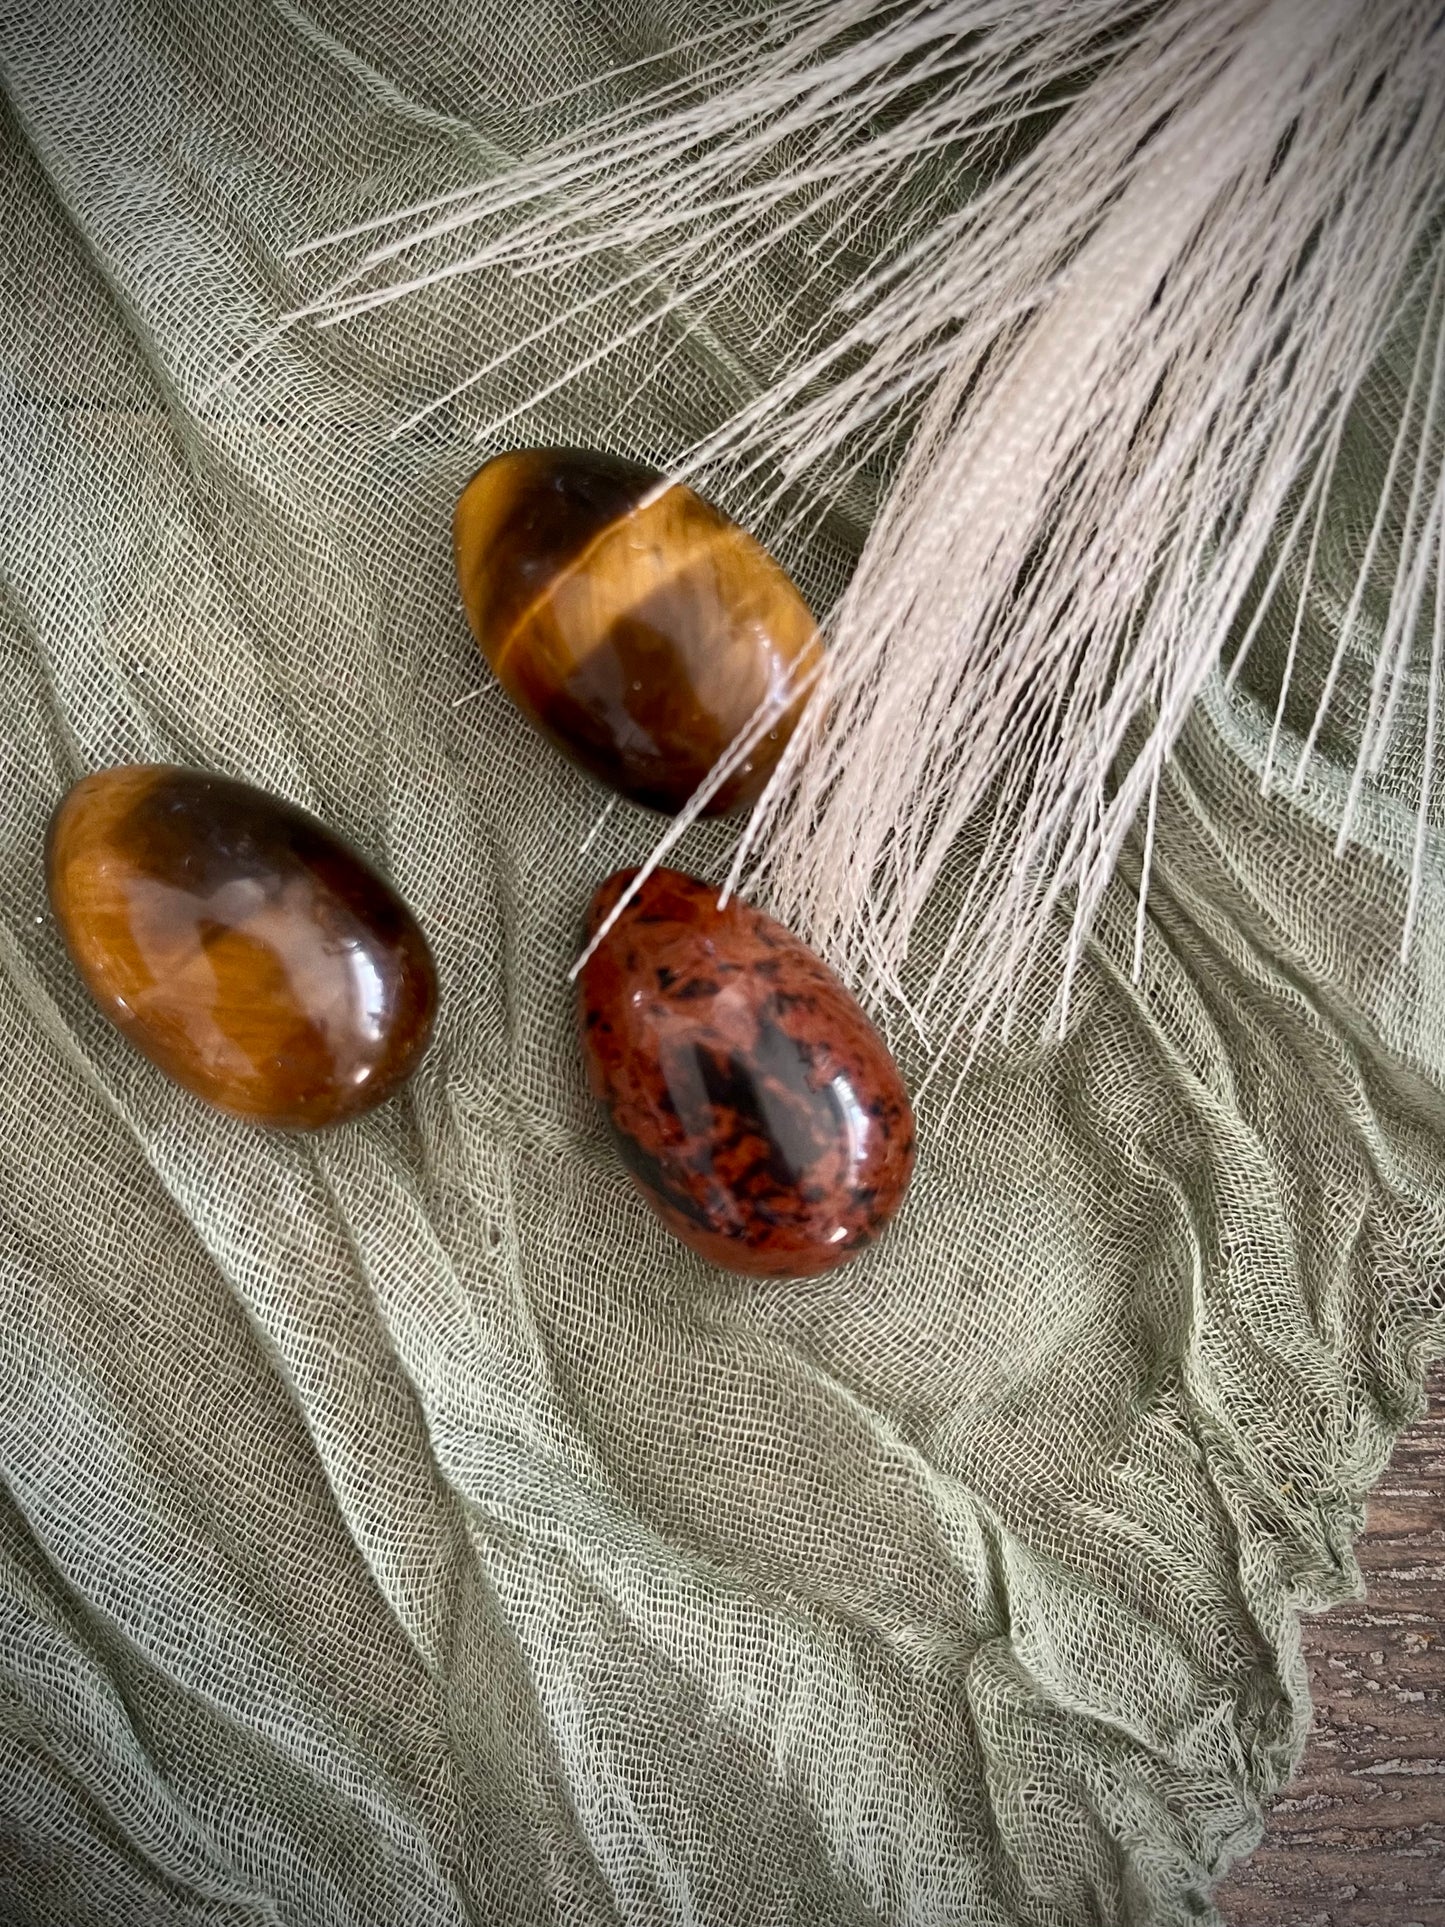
x: 1358, y: 1838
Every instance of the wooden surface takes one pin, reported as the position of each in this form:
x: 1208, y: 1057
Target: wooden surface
x: 1358, y: 1838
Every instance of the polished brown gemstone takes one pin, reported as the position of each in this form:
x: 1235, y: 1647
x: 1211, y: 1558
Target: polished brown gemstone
x: 756, y: 1107
x: 253, y: 955
x: 633, y: 623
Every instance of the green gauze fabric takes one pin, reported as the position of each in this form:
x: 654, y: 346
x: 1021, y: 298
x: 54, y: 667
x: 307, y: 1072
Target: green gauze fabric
x: 397, y: 1527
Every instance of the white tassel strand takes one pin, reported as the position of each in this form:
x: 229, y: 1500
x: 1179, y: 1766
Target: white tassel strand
x: 1126, y: 364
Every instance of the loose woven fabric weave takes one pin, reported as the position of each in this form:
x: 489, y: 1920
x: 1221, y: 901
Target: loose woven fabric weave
x: 397, y: 1526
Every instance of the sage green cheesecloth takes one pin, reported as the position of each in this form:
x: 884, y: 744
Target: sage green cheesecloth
x: 397, y: 1526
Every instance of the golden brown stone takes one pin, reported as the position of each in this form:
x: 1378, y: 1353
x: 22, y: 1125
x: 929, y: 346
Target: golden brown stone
x: 639, y: 630
x: 245, y: 949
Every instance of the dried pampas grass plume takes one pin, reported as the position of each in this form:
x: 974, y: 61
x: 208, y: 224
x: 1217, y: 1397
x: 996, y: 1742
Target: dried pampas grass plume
x: 1125, y: 365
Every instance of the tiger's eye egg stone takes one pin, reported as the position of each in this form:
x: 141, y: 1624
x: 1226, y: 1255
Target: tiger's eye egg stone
x: 635, y: 625
x: 245, y: 949
x: 755, y: 1106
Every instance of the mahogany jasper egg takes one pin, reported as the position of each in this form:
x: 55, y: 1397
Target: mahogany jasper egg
x: 245, y: 949
x: 755, y: 1106
x: 633, y: 623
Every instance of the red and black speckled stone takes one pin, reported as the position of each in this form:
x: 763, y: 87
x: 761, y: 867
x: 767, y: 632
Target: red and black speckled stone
x: 755, y: 1106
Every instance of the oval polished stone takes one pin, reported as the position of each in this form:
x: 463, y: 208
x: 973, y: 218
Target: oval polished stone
x: 755, y: 1106
x: 639, y: 630
x: 249, y: 952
